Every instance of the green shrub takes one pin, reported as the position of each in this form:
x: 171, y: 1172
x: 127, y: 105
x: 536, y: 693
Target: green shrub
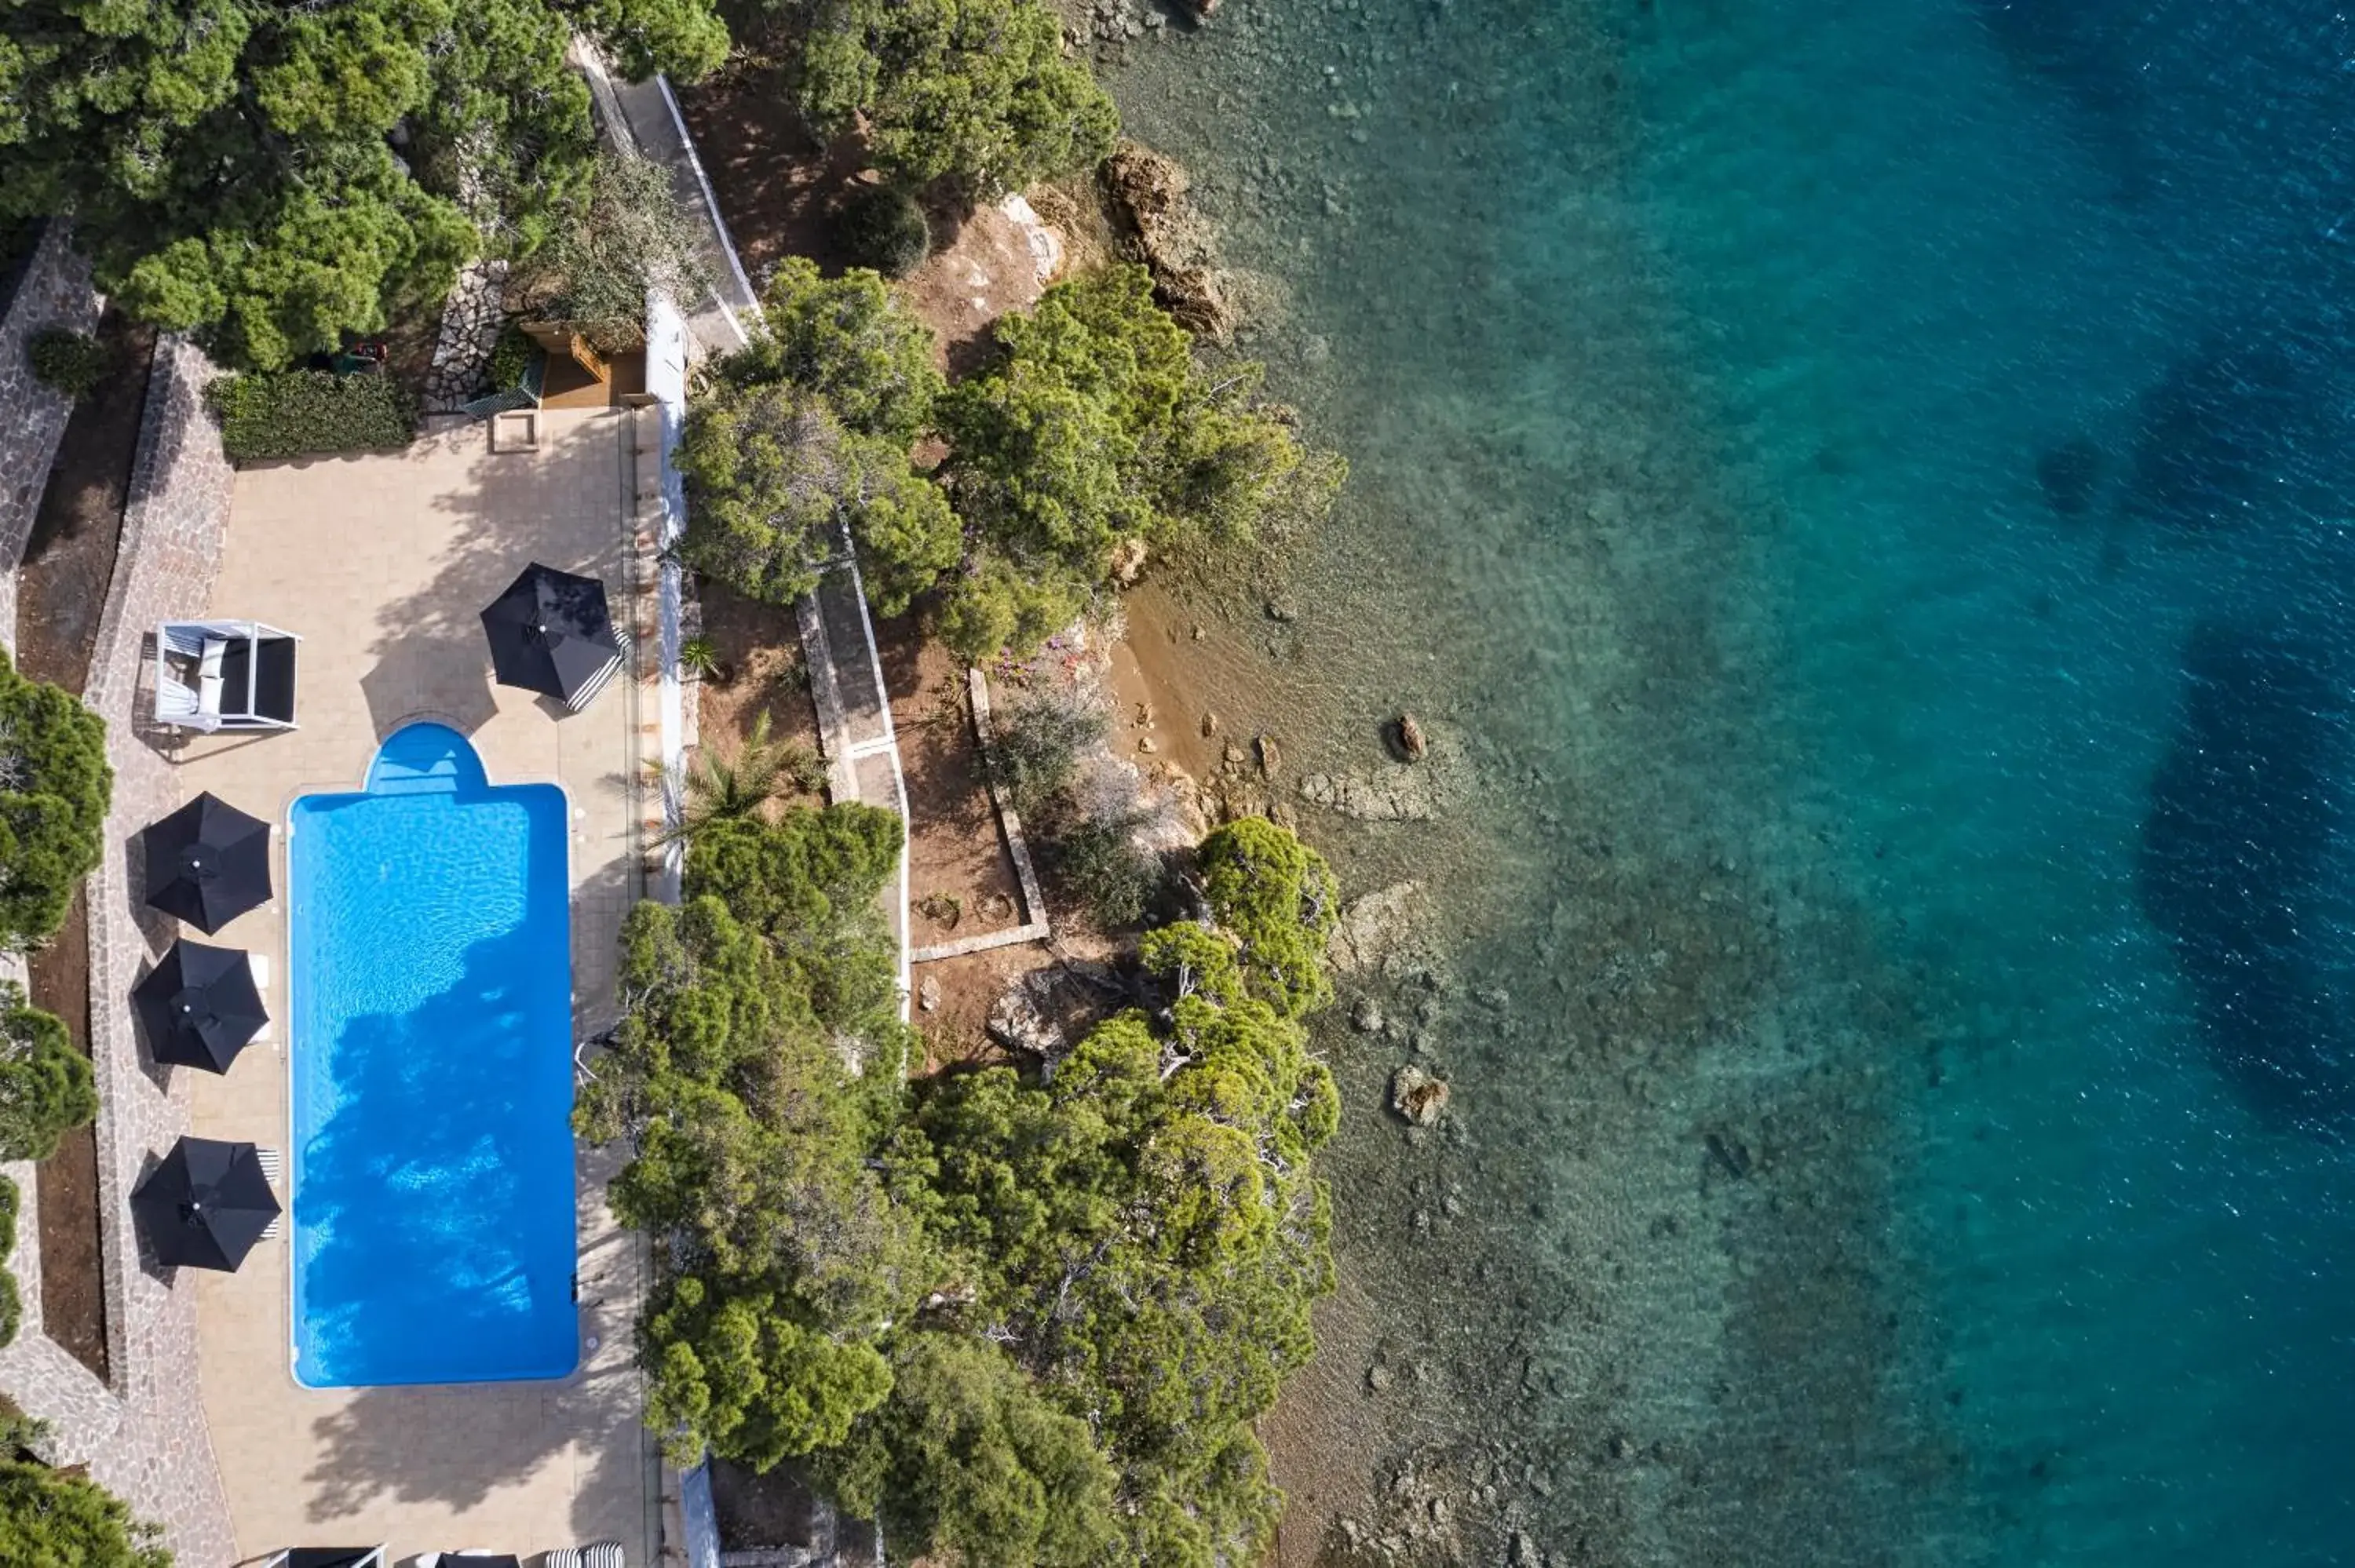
x: 19, y: 1432
x: 54, y: 788
x: 980, y: 91
x: 773, y: 479
x: 46, y: 1086
x: 883, y: 227
x: 1090, y: 429
x: 72, y: 361
x: 850, y: 341
x: 1094, y: 855
x: 50, y: 1519
x: 1037, y: 740
x: 310, y: 413
x: 1279, y: 900
x: 510, y: 358
x: 11, y: 1305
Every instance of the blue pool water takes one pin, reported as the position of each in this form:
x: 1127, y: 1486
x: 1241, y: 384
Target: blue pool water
x: 433, y: 1222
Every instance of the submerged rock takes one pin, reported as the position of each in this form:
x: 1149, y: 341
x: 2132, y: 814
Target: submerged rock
x: 1376, y: 926
x: 1386, y: 797
x: 1410, y: 742
x: 1417, y: 1095
x: 1396, y: 792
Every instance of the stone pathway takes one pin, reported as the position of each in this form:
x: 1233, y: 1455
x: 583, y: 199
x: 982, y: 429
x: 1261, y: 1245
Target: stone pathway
x: 854, y: 718
x: 471, y: 320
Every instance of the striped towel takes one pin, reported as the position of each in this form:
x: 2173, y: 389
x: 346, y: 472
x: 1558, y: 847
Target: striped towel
x: 271, y: 1167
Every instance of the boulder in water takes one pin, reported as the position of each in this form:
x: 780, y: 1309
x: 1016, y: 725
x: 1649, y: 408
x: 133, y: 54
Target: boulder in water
x: 1410, y: 742
x: 1417, y: 1095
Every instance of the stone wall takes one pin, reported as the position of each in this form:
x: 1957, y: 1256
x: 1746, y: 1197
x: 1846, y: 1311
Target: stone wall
x: 144, y: 1436
x: 55, y: 292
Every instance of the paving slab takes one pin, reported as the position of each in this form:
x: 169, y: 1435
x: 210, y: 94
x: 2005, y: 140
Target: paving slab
x: 381, y: 564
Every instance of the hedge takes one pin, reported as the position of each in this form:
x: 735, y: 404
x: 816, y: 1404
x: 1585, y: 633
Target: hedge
x: 311, y: 413
x: 11, y: 1307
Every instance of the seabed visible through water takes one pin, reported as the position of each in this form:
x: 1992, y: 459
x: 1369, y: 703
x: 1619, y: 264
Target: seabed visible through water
x: 1865, y: 485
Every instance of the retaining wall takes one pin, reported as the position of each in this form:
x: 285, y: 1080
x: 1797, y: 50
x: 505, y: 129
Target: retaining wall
x: 143, y: 1435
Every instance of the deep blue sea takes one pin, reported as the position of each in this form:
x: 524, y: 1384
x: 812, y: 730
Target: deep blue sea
x: 1871, y: 481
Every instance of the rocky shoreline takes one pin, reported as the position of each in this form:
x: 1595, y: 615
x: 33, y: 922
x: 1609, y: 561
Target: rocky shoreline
x: 1628, y: 1297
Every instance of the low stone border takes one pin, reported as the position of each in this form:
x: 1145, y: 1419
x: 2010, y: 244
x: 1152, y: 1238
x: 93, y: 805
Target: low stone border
x: 1009, y: 823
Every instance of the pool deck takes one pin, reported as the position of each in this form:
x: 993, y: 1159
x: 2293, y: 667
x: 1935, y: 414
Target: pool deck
x: 380, y: 563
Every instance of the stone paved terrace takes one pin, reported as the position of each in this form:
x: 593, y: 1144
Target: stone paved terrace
x: 381, y: 564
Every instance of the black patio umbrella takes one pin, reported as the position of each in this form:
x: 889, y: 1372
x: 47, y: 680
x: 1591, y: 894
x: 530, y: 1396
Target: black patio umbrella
x: 206, y: 1205
x: 201, y: 1005
x: 208, y: 863
x: 330, y: 1557
x: 551, y: 633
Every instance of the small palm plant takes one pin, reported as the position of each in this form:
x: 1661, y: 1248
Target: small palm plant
x: 736, y: 785
x: 698, y: 657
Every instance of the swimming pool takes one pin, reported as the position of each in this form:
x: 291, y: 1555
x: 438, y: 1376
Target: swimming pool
x: 431, y: 1067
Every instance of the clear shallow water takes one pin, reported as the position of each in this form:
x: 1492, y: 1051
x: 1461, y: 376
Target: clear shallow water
x: 1871, y: 482
x: 434, y: 1216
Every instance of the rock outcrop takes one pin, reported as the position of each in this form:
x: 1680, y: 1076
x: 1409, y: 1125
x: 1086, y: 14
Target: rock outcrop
x: 1145, y: 192
x: 1018, y: 1022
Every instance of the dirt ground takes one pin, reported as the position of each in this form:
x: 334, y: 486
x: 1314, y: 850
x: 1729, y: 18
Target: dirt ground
x: 963, y: 989
x: 981, y: 267
x: 776, y: 184
x: 61, y: 589
x: 69, y: 557
x: 759, y: 647
x: 779, y: 187
x: 959, y: 876
x: 73, y: 1284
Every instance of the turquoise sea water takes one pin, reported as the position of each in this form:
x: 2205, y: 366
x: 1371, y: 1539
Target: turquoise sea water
x: 1870, y: 482
x: 434, y: 1235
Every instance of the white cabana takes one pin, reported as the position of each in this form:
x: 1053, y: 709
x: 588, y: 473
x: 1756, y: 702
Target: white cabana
x: 224, y: 674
